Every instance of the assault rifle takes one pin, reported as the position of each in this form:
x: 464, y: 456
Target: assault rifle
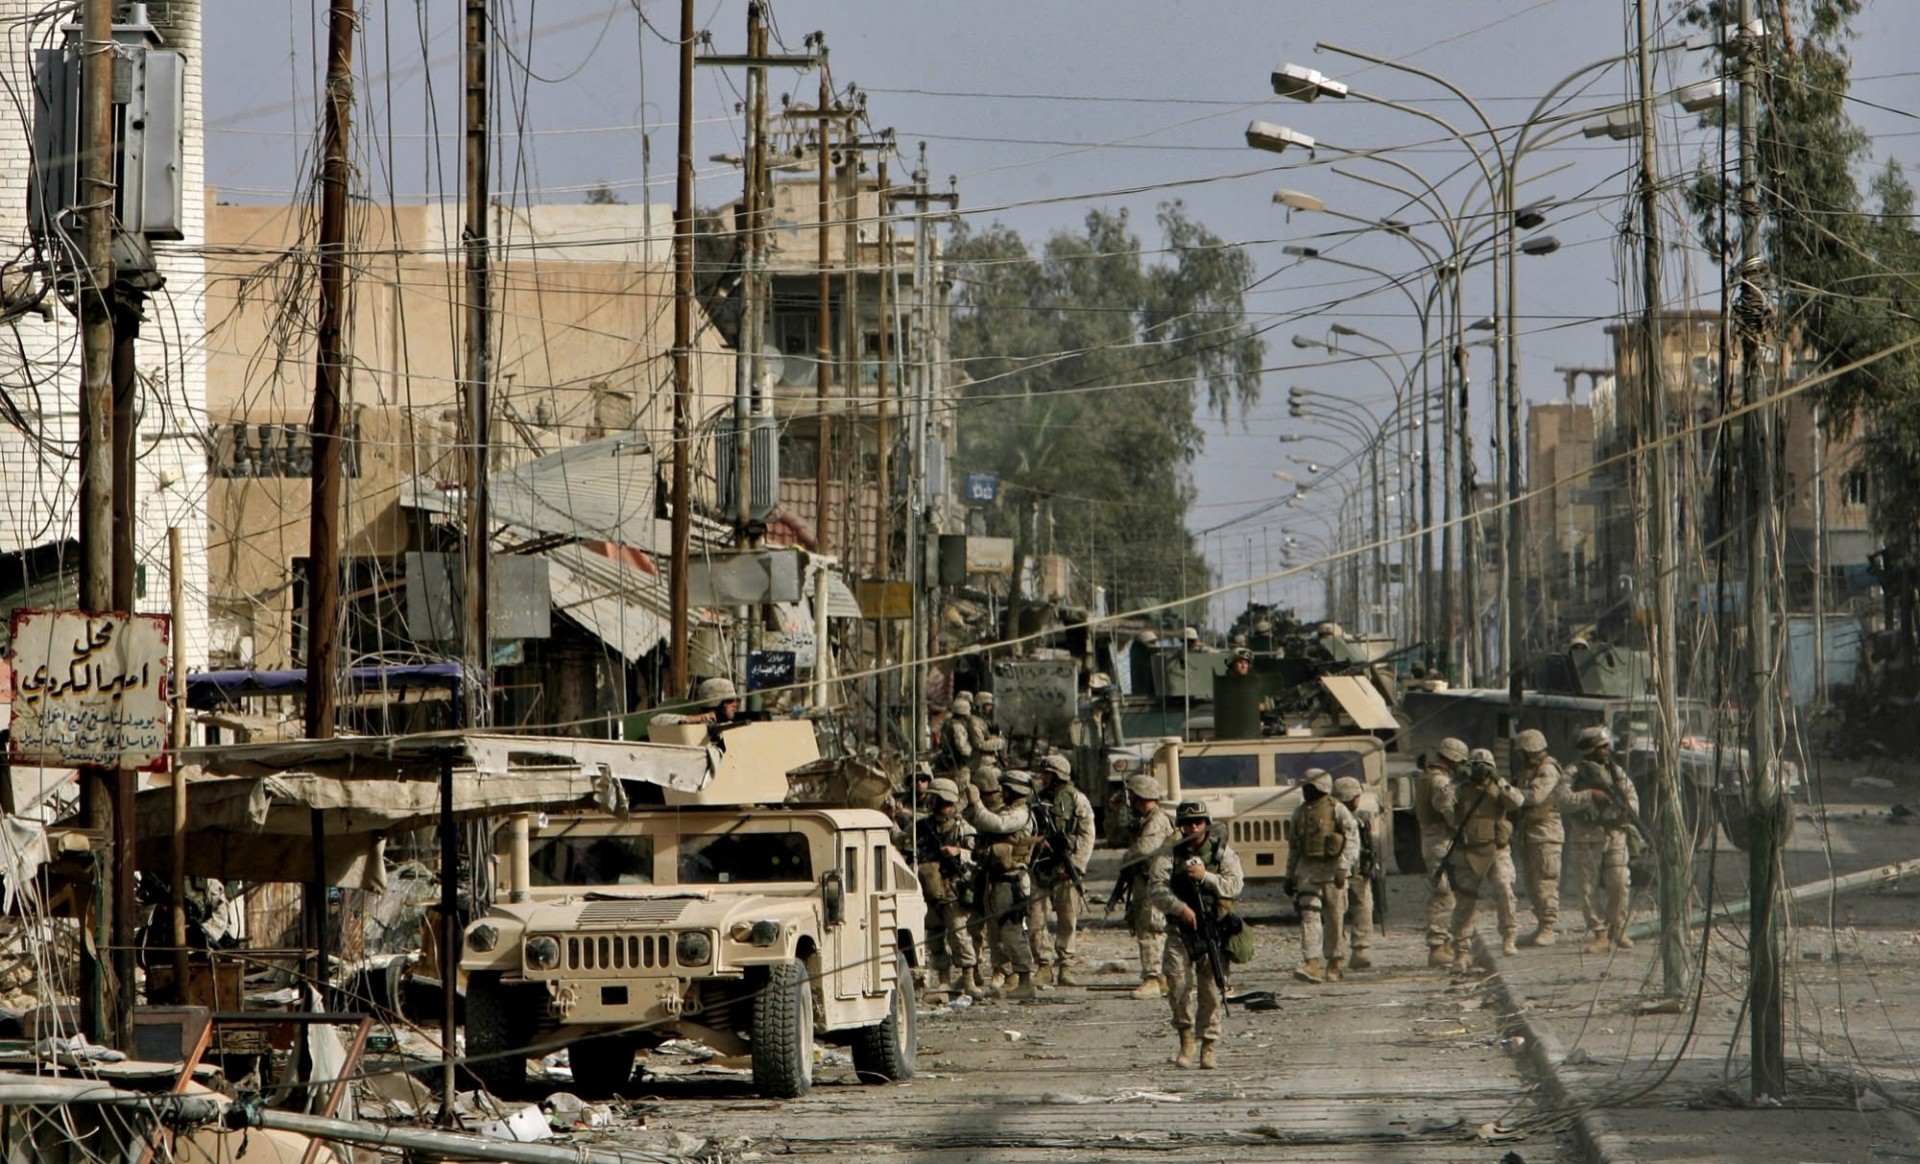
x: 1054, y: 850
x: 1616, y: 813
x: 1206, y: 922
x: 1460, y: 830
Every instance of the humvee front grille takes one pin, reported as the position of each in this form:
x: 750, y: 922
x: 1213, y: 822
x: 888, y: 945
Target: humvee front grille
x: 1258, y: 831
x: 611, y: 952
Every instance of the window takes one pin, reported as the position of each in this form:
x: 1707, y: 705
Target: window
x: 853, y: 869
x: 1290, y: 770
x: 881, y: 867
x: 732, y: 857
x: 1220, y: 771
x: 1854, y: 487
x: 586, y: 861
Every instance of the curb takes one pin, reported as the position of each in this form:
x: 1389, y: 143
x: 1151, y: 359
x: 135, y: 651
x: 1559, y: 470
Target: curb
x: 1540, y: 1053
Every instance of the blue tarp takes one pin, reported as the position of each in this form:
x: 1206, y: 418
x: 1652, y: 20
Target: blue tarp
x: 210, y: 689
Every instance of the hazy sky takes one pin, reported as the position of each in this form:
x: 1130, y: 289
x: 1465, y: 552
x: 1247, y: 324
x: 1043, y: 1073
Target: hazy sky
x: 1046, y: 110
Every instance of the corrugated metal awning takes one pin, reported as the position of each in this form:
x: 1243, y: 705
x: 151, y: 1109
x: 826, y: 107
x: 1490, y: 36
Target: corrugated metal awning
x: 841, y: 602
x: 628, y: 609
x: 1362, y: 703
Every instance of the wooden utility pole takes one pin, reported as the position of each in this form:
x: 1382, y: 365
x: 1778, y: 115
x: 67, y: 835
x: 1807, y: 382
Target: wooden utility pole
x: 479, y: 373
x: 823, y: 348
x: 1676, y: 839
x: 177, y: 695
x: 330, y: 366
x: 883, y: 485
x: 682, y: 519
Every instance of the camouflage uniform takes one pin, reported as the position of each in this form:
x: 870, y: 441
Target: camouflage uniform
x: 1151, y: 830
x: 1352, y: 794
x: 1597, y: 844
x: 1478, y: 805
x: 957, y: 741
x: 1189, y: 977
x: 1436, y: 833
x: 1542, y: 783
x: 947, y: 880
x: 1004, y: 847
x: 1055, y: 891
x: 1319, y: 882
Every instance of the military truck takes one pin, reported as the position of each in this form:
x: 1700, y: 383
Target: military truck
x: 727, y: 916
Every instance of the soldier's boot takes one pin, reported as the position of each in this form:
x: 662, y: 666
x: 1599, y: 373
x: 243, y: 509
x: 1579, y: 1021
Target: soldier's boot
x: 1508, y: 946
x: 1189, y: 1049
x: 1063, y: 976
x: 976, y: 984
x: 1023, y: 986
x: 1599, y: 943
x: 1312, y: 970
x: 1620, y: 939
x: 1336, y: 970
x: 1462, y: 961
x: 1360, y: 960
x: 1546, y: 935
x: 1439, y: 957
x: 1152, y: 986
x: 1208, y: 1061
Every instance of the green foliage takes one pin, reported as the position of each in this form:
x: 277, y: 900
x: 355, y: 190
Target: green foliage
x: 1087, y: 368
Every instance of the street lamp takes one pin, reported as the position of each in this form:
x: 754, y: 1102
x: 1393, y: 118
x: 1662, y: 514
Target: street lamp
x: 1304, y: 84
x: 1265, y: 135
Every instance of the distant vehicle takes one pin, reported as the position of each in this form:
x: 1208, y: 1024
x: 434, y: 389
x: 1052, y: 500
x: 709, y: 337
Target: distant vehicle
x: 753, y: 930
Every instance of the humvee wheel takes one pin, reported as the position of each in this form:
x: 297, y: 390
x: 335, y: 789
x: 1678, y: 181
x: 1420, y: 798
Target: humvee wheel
x: 886, y: 1052
x: 496, y: 1028
x: 601, y: 1066
x: 783, y: 1033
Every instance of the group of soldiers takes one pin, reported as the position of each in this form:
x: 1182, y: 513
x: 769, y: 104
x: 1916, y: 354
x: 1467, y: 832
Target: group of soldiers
x: 1002, y: 857
x: 1466, y: 810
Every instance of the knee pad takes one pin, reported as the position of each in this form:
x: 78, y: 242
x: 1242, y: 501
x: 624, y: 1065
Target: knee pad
x: 1308, y: 901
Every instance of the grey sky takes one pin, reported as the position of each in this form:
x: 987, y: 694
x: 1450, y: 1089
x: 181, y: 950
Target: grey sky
x: 1076, y: 100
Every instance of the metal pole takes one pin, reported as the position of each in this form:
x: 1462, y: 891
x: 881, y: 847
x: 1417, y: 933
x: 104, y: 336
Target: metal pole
x: 1765, y: 981
x: 682, y: 519
x: 1819, y: 564
x: 177, y: 692
x: 323, y: 543
x: 1675, y: 839
x: 479, y: 421
x: 449, y: 953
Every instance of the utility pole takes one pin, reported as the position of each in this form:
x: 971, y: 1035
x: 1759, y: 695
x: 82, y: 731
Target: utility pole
x: 883, y: 485
x: 1675, y: 839
x: 1751, y: 314
x: 823, y: 347
x: 682, y: 519
x: 330, y: 363
x: 479, y: 371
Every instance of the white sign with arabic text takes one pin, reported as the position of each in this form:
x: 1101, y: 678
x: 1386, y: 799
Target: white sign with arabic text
x: 89, y: 689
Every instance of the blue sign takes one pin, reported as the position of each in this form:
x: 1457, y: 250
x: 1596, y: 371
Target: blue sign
x: 982, y: 488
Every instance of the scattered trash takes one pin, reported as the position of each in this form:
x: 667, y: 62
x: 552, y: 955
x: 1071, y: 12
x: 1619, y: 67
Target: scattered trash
x: 525, y: 1126
x: 567, y: 1111
x: 72, y: 1051
x: 1663, y: 1006
x: 1872, y: 1101
x: 1014, y: 1036
x: 1900, y: 814
x: 1432, y: 1126
x: 1112, y: 966
x: 1254, y: 1000
x: 1494, y: 1132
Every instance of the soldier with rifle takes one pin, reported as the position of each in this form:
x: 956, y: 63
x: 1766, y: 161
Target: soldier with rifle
x: 1323, y: 844
x: 944, y: 846
x: 1193, y: 883
x: 1436, y: 833
x: 1149, y: 830
x: 1005, y: 853
x: 1479, y: 858
x: 1362, y: 904
x: 1602, y: 813
x: 1063, y: 822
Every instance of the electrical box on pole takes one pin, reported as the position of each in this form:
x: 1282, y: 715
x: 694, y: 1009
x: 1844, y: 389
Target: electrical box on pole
x: 150, y: 102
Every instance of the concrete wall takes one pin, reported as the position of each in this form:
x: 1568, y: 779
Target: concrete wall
x: 40, y: 360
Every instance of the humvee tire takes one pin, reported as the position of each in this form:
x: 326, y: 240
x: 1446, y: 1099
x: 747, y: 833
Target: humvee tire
x: 496, y: 1028
x: 783, y: 1032
x: 887, y: 1051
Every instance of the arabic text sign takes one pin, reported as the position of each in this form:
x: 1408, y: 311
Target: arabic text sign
x: 89, y: 688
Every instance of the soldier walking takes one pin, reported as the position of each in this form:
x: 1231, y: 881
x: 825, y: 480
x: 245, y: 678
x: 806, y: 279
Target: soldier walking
x: 1542, y: 783
x: 945, y: 845
x: 956, y: 743
x: 1600, y: 806
x: 1325, y: 846
x: 1352, y: 795
x: 1189, y: 881
x: 1147, y: 830
x: 1482, y: 858
x: 1436, y: 833
x: 1063, y: 818
x: 1004, y: 849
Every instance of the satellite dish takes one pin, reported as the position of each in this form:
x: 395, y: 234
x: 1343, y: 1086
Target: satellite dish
x: 773, y: 364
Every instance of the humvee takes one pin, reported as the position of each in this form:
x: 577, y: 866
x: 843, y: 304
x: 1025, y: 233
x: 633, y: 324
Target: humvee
x: 754, y: 927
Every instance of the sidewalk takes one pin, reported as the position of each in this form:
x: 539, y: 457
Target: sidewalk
x: 1651, y: 1081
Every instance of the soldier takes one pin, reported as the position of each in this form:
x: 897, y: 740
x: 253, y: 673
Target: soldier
x: 982, y: 721
x: 1325, y: 844
x: 945, y: 846
x: 1477, y: 805
x: 1151, y: 827
x: 1190, y: 880
x: 719, y: 704
x: 1063, y: 817
x: 1601, y: 806
x: 986, y: 754
x: 1352, y: 794
x: 1005, y: 851
x: 1542, y: 783
x: 956, y: 741
x: 1435, y: 835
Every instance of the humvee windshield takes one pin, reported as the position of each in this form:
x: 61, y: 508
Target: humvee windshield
x: 731, y: 857
x: 588, y: 861
x: 1290, y: 769
x: 1242, y: 771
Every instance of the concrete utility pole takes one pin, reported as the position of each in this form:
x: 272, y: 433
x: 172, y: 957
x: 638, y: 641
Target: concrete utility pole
x: 1675, y: 839
x: 682, y: 524
x: 1752, y: 314
x: 823, y: 343
x: 478, y: 648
